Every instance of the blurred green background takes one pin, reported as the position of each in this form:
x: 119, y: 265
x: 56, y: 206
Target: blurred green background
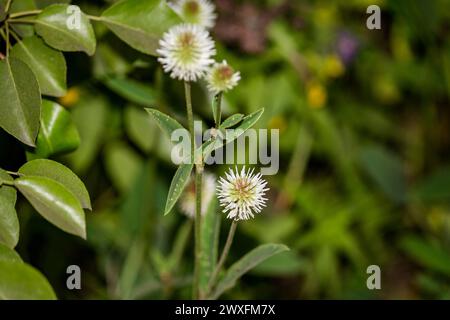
x: 364, y: 176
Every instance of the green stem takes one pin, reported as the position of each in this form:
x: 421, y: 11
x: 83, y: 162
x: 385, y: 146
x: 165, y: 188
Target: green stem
x: 198, y: 178
x: 21, y: 21
x: 223, y: 256
x: 8, y: 44
x: 218, y: 109
x: 24, y: 13
x: 6, y: 183
x: 8, y: 5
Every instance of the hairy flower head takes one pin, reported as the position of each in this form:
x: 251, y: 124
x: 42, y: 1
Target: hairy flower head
x: 221, y: 77
x: 185, y: 52
x: 187, y: 203
x: 199, y: 12
x: 241, y: 194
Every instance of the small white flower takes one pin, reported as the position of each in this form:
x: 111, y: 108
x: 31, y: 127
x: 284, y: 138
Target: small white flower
x: 242, y: 194
x: 187, y: 203
x: 185, y: 52
x: 221, y: 77
x: 200, y: 12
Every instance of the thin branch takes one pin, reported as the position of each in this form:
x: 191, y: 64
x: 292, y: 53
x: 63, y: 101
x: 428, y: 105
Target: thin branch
x: 24, y: 13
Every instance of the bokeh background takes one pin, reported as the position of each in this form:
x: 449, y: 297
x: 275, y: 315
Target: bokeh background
x: 364, y: 176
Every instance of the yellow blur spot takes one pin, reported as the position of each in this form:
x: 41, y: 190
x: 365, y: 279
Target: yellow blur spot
x: 333, y: 66
x: 316, y: 95
x: 72, y: 96
x: 278, y: 123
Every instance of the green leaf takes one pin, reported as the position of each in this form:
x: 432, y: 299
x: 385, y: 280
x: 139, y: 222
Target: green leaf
x: 21, y: 100
x: 247, y: 122
x: 284, y: 264
x: 132, y: 90
x: 19, y: 6
x: 19, y: 281
x: 54, y: 202
x: 427, y: 254
x: 232, y: 121
x: 47, y: 64
x: 140, y: 128
x: 53, y: 24
x: 246, y: 263
x: 123, y: 165
x: 210, y: 242
x: 8, y: 254
x: 2, y: 10
x: 9, y: 223
x: 435, y: 188
x: 58, y: 134
x: 166, y: 123
x: 60, y: 173
x: 179, y: 182
x: 140, y: 23
x: 386, y: 170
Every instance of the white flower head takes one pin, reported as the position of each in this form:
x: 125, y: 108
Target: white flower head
x: 199, y: 12
x: 185, y: 52
x: 221, y: 77
x: 241, y: 194
x: 187, y: 201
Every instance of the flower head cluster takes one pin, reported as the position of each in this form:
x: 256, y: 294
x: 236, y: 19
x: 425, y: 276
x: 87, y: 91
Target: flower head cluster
x: 199, y: 12
x: 242, y: 193
x: 185, y: 52
x: 221, y: 77
x: 187, y: 203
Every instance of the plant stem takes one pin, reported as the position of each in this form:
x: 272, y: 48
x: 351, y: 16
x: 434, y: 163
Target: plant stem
x: 6, y: 183
x: 8, y: 5
x: 198, y: 192
x: 24, y: 13
x: 22, y: 21
x: 95, y: 18
x: 7, y: 39
x: 224, y: 255
x: 218, y: 109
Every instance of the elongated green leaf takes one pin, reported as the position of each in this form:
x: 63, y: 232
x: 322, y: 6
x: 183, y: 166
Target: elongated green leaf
x: 123, y: 165
x: 140, y: 23
x: 58, y: 134
x: 54, y: 202
x: 9, y: 223
x: 47, y: 64
x: 65, y: 28
x: 21, y: 100
x: 427, y: 254
x: 246, y: 263
x: 132, y: 90
x: 434, y: 188
x: 232, y: 121
x: 140, y: 128
x: 19, y: 281
x: 166, y: 123
x: 210, y: 242
x: 247, y: 122
x: 179, y: 182
x: 60, y: 173
x: 2, y: 10
x: 8, y: 254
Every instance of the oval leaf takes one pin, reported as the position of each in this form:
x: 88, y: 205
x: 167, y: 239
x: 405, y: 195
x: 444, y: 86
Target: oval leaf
x: 246, y: 263
x: 54, y: 202
x: 9, y: 223
x: 66, y: 28
x: 166, y: 123
x: 8, y: 254
x: 48, y: 65
x: 58, y: 134
x: 21, y: 100
x: 60, y: 173
x: 179, y: 182
x: 19, y: 281
x: 140, y: 23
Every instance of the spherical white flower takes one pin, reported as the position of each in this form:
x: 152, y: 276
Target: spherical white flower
x: 200, y: 12
x: 187, y: 201
x: 242, y: 194
x: 185, y: 52
x: 221, y: 77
